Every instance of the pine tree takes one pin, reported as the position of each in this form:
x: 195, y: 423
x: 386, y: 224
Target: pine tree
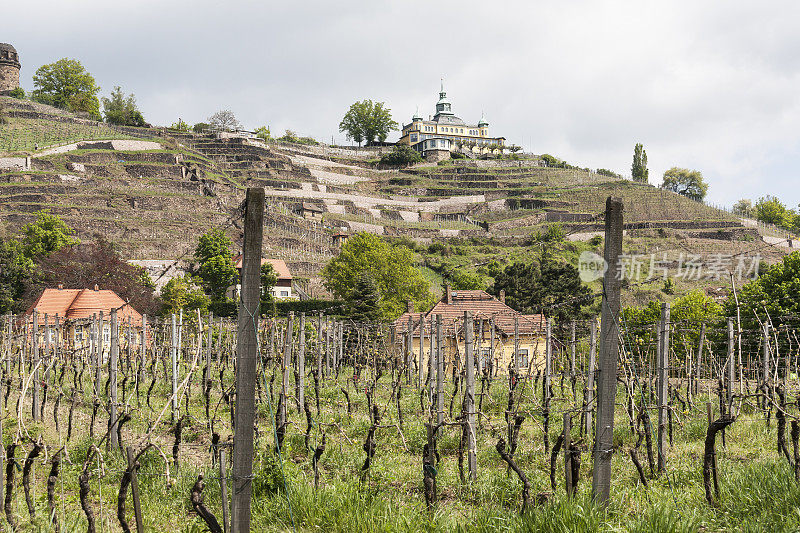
x: 639, y: 170
x: 365, y: 303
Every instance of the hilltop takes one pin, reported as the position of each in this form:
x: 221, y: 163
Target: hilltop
x: 156, y: 193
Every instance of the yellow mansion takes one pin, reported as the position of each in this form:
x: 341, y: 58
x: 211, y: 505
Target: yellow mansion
x: 445, y: 132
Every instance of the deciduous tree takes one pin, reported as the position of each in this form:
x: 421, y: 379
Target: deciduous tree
x: 215, y: 263
x: 688, y: 183
x: 548, y: 286
x: 45, y: 235
x: 771, y: 210
x: 639, y: 170
x: 121, y: 109
x: 391, y: 266
x: 224, y: 120
x: 67, y: 84
x: 367, y: 121
x: 184, y: 292
x: 98, y: 263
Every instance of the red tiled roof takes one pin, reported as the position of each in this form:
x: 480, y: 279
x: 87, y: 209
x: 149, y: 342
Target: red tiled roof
x: 278, y: 264
x: 482, y: 305
x: 82, y: 303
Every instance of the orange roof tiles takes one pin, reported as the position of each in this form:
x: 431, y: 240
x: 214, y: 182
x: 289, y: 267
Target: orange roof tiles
x: 482, y: 305
x: 278, y: 264
x: 73, y: 304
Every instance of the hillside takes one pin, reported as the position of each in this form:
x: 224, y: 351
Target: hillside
x: 154, y: 195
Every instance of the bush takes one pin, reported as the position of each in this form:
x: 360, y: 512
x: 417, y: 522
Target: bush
x: 609, y: 173
x: 18, y: 93
x: 554, y: 233
x: 597, y: 240
x: 440, y: 248
x: 457, y: 155
x: 200, y: 127
x: 180, y: 126
x: 291, y: 137
x: 401, y: 156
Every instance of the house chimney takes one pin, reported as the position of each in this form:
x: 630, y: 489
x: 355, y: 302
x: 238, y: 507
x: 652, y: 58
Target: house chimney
x: 503, y: 295
x: 448, y: 294
x: 409, y: 306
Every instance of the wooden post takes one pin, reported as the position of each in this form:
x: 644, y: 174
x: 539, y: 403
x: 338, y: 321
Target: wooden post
x: 492, y: 365
x: 10, y: 334
x: 573, y: 347
x: 421, y: 366
x: 439, y: 372
x: 319, y: 348
x: 699, y: 365
x: 730, y: 367
x: 515, y: 360
x: 209, y: 334
x: 568, y: 450
x: 548, y: 361
x: 35, y: 361
x: 173, y: 354
x: 287, y: 365
x: 609, y: 351
x: 143, y: 348
x: 113, y: 361
x: 247, y: 357
x: 590, y: 377
x: 137, y: 505
x: 340, y: 348
x: 765, y: 360
x: 328, y: 345
x: 219, y: 342
x: 469, y: 397
x: 223, y: 490
x: 301, y: 362
x: 431, y: 364
x: 409, y: 347
x: 663, y: 382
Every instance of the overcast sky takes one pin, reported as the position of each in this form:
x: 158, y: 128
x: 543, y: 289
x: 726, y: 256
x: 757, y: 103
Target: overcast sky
x: 713, y: 86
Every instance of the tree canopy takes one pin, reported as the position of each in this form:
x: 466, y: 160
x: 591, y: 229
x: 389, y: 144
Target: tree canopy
x: 685, y: 182
x: 224, y: 120
x: 365, y: 302
x: 47, y: 234
x: 15, y: 272
x: 392, y: 268
x: 775, y: 291
x: 215, y: 263
x: 771, y: 210
x: 639, y: 170
x: 548, y: 286
x: 401, y: 156
x: 268, y: 280
x: 184, y: 293
x: 367, y: 121
x: 67, y: 84
x: 98, y: 263
x: 121, y: 109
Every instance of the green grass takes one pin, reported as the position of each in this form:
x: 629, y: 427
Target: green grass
x: 758, y: 490
x: 23, y: 134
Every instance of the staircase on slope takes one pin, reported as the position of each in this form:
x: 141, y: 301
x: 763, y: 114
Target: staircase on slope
x: 246, y: 163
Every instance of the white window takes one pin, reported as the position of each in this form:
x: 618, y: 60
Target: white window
x: 284, y: 293
x: 522, y: 358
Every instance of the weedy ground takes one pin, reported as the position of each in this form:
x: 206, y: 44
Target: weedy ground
x: 758, y: 489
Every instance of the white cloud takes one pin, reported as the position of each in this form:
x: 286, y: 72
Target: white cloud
x: 705, y: 85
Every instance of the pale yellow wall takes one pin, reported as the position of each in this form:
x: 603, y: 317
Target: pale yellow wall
x: 438, y: 129
x: 503, y: 352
